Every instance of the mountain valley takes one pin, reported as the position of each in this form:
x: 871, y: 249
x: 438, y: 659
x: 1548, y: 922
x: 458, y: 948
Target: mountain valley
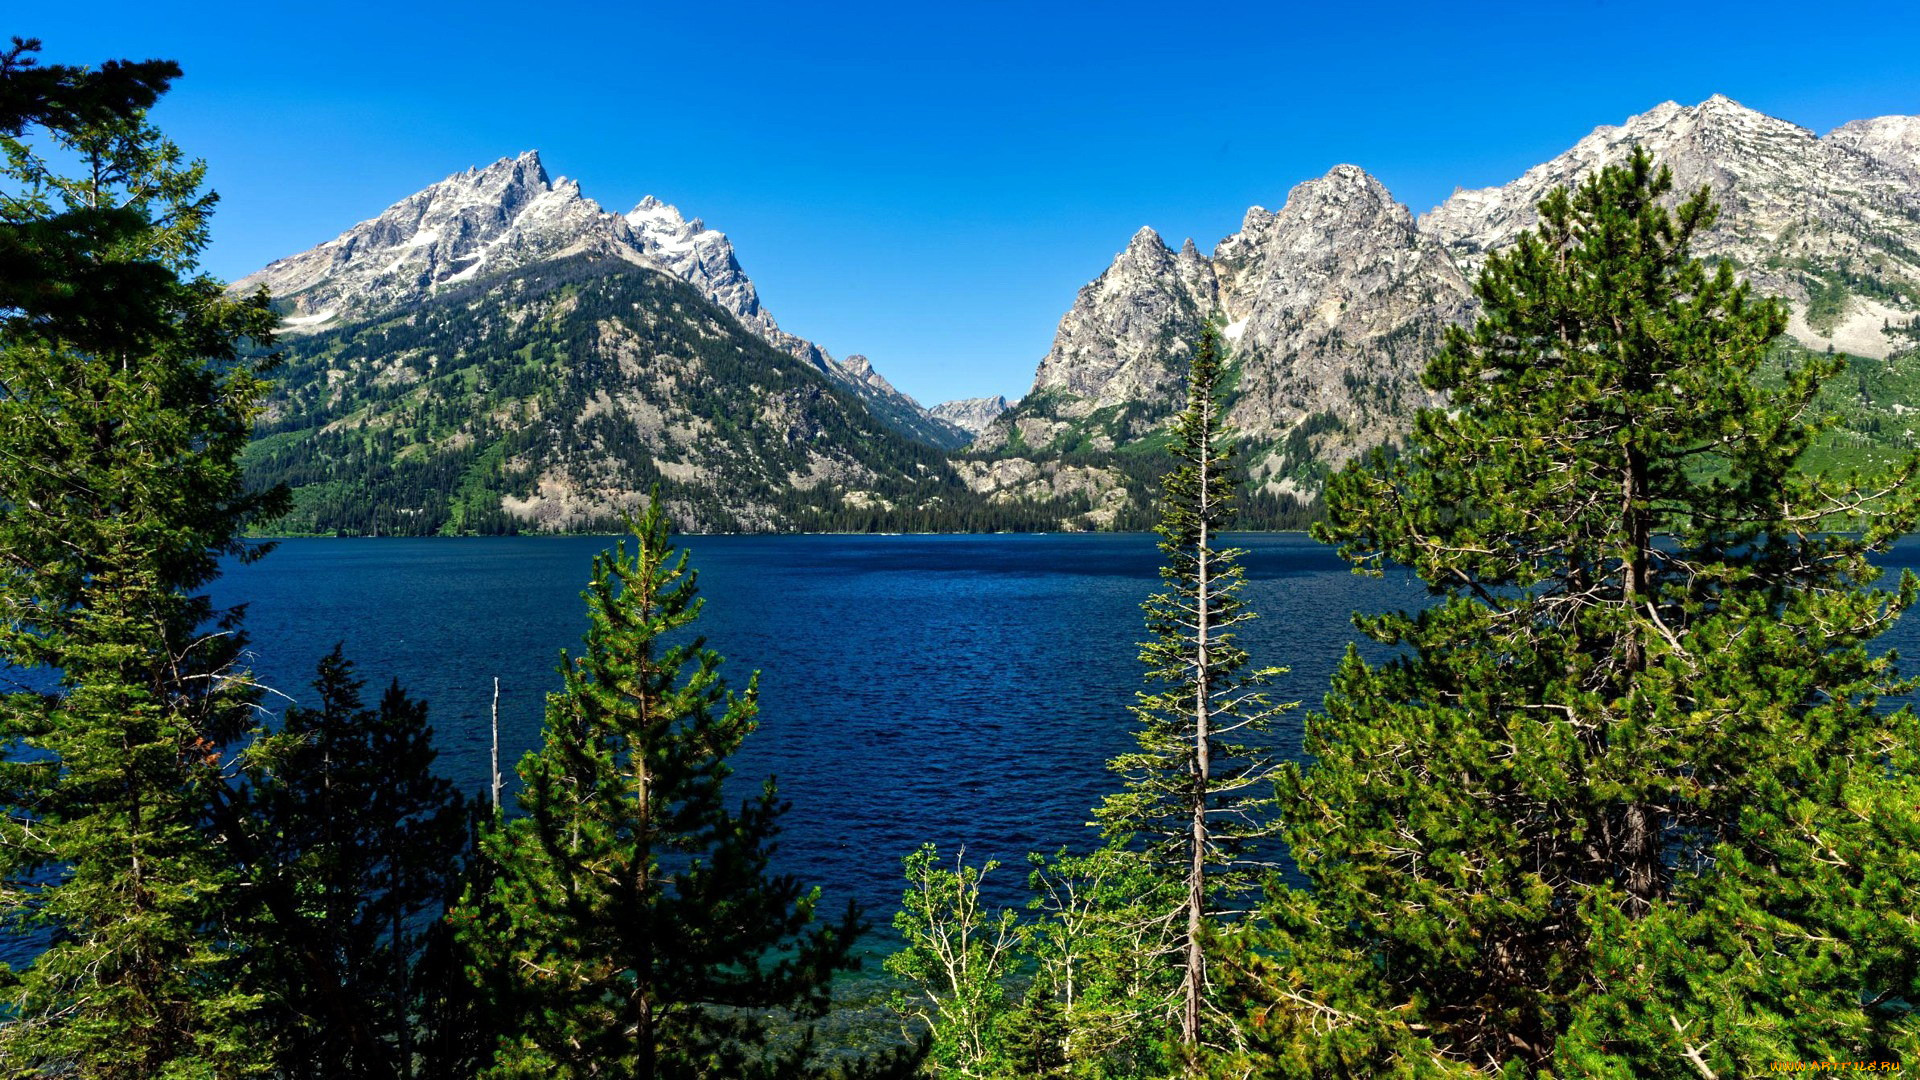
x: 498, y: 353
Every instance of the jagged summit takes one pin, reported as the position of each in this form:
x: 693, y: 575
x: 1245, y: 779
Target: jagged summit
x: 1800, y: 215
x: 1335, y: 291
x: 507, y: 215
x: 1341, y: 182
x: 480, y: 221
x: 1700, y: 142
x: 1317, y: 296
x: 1113, y: 345
x: 860, y: 368
x: 704, y: 258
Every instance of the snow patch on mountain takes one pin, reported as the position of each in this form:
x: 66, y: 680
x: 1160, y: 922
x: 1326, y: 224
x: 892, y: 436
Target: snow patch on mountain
x: 509, y: 215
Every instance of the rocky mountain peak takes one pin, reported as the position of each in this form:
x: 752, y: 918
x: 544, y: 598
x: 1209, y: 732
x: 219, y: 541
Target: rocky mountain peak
x: 651, y: 207
x: 509, y: 214
x: 1332, y: 302
x: 1123, y: 336
x: 1891, y: 141
x: 1146, y: 247
x: 526, y: 164
x: 1723, y: 107
x: 1344, y: 197
x: 1719, y: 144
x: 1340, y: 184
x: 859, y: 369
x: 484, y: 220
x: 972, y: 415
x: 509, y: 181
x: 1800, y: 216
x: 1317, y: 297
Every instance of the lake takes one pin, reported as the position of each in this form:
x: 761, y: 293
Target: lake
x: 964, y: 690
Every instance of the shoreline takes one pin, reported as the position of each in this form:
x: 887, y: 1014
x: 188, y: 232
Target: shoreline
x: 271, y: 537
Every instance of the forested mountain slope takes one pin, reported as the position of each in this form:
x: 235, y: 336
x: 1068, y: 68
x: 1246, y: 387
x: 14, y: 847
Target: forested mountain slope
x: 482, y: 223
x: 497, y: 352
x: 553, y: 397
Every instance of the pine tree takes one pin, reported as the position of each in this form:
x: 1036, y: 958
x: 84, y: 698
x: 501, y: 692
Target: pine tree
x: 126, y: 397
x: 1625, y: 802
x: 635, y: 921
x: 355, y: 845
x: 1193, y: 809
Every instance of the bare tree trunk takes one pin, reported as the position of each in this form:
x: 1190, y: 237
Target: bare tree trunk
x: 1202, y: 766
x: 496, y: 745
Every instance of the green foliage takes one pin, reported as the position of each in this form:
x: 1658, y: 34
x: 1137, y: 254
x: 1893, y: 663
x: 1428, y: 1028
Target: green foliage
x: 1869, y: 424
x: 1625, y: 803
x: 1195, y: 799
x: 124, y: 401
x: 351, y: 846
x: 633, y: 923
x: 1079, y: 988
x: 959, y: 958
x: 1105, y: 959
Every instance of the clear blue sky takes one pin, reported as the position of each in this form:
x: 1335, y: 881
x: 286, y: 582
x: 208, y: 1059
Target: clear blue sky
x: 929, y: 183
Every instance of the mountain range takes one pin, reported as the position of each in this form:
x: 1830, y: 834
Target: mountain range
x: 1334, y: 302
x: 500, y: 352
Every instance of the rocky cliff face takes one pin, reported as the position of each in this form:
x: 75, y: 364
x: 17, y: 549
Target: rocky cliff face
x: 971, y: 415
x: 1118, y: 355
x: 704, y: 259
x: 485, y: 223
x: 1892, y: 142
x: 1832, y: 225
x: 1334, y: 303
x: 1330, y: 306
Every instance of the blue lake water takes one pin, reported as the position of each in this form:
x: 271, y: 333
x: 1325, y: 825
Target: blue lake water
x: 965, y: 690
